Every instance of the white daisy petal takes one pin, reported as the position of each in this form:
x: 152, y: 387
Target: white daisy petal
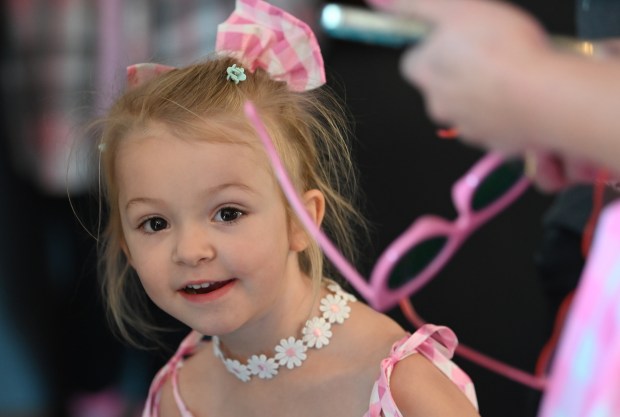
x: 291, y: 352
x: 265, y: 368
x: 317, y: 332
x: 216, y: 348
x: 239, y: 370
x: 336, y: 289
x: 349, y: 297
x: 335, y: 308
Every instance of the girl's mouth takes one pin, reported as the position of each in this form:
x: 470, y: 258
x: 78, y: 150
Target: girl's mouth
x: 205, y: 287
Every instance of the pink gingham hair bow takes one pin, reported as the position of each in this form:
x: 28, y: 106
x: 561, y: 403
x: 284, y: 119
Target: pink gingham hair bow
x: 260, y: 35
x: 138, y: 74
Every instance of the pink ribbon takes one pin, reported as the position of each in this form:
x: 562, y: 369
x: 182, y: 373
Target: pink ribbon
x: 138, y: 74
x: 262, y: 36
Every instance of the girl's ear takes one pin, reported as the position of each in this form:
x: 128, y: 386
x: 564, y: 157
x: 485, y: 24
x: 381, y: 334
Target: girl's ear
x: 314, y: 201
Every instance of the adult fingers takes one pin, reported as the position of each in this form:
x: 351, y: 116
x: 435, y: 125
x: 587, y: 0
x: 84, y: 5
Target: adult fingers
x: 552, y: 172
x: 410, y: 70
x: 545, y: 170
x: 608, y: 48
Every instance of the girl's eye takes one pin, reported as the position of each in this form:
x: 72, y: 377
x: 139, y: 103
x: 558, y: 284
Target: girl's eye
x: 228, y: 214
x: 154, y: 224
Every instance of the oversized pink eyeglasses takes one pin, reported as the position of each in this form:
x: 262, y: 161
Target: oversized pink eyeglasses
x: 419, y: 253
x: 414, y: 258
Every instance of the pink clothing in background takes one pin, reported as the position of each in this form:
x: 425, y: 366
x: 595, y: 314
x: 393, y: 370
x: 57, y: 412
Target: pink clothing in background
x: 585, y: 377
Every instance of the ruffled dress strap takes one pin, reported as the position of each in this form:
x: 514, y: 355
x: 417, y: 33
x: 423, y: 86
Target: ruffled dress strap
x: 437, y: 344
x: 171, y: 370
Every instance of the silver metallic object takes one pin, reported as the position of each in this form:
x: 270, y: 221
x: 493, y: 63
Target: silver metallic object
x: 364, y: 25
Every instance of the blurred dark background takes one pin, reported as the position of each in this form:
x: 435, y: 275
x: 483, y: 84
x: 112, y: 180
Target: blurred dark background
x: 58, y: 357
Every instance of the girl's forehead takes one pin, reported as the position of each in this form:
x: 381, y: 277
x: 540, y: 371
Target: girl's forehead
x: 165, y: 143
x: 204, y: 132
x: 183, y: 171
x: 211, y: 129
x: 222, y: 149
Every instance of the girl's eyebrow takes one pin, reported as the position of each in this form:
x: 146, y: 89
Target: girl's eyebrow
x: 224, y: 186
x: 207, y: 192
x: 141, y: 200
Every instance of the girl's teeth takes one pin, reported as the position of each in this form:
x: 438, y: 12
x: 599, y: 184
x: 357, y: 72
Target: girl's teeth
x: 205, y: 287
x: 199, y: 286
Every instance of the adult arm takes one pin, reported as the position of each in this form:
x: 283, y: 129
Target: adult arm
x: 489, y: 70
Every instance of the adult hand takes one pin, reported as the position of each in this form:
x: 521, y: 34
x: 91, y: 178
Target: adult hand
x: 551, y: 173
x: 475, y: 52
x: 489, y: 70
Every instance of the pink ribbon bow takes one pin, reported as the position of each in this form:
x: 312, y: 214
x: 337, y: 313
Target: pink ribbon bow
x: 260, y: 35
x: 138, y: 74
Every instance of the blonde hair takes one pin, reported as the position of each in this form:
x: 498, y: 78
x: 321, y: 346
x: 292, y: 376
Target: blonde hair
x: 309, y: 130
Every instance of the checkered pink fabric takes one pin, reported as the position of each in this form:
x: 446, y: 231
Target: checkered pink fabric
x: 585, y: 377
x: 170, y: 370
x: 140, y: 73
x: 262, y: 36
x: 437, y: 344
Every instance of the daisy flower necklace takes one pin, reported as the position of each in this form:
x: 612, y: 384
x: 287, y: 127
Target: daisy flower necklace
x: 291, y: 352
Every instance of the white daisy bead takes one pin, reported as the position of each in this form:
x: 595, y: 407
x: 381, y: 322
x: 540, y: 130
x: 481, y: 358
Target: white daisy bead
x: 291, y: 352
x: 265, y: 368
x: 335, y: 308
x: 317, y: 332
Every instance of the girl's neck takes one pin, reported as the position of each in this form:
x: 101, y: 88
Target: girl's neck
x: 298, y: 302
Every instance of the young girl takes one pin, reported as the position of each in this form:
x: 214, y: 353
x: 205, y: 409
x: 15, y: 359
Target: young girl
x: 197, y: 219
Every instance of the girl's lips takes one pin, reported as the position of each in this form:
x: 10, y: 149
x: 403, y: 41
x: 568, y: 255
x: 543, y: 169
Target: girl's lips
x: 206, y: 291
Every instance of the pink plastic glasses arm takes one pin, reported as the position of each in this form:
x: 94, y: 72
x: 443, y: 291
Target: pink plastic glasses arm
x: 376, y: 291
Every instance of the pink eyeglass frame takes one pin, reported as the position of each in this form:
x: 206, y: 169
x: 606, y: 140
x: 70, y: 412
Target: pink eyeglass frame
x: 376, y: 291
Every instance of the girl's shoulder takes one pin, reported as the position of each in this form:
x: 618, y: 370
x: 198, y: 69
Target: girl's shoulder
x: 420, y: 378
x: 373, y: 330
x: 365, y: 341
x: 376, y: 325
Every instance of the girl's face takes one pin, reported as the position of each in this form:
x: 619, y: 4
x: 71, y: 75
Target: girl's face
x: 206, y: 230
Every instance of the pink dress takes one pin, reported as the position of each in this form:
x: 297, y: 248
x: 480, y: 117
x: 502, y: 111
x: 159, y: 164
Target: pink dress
x: 434, y: 342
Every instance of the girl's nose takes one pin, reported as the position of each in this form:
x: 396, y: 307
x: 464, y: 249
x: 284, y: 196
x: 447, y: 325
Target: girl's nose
x: 193, y: 246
